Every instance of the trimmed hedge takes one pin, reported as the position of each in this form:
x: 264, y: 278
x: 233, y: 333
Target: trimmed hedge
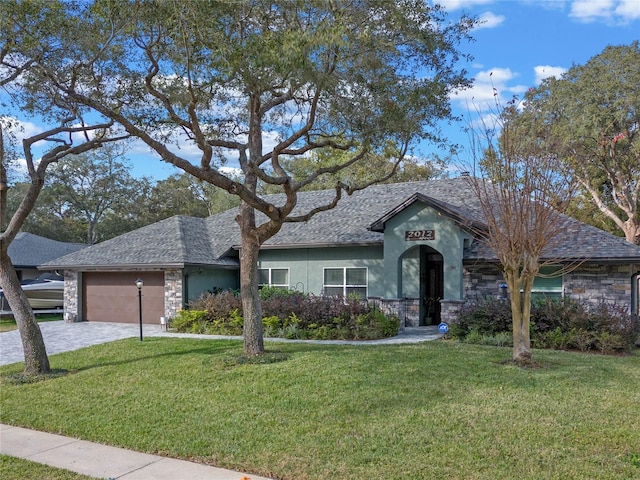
x: 289, y: 314
x: 555, y: 324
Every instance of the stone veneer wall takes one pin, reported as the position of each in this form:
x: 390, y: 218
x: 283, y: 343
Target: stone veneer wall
x: 71, y: 302
x: 172, y: 293
x: 406, y: 309
x: 591, y: 283
x: 481, y: 281
x: 596, y: 283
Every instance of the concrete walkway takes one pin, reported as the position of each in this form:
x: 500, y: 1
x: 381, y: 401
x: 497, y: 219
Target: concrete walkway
x: 102, y: 461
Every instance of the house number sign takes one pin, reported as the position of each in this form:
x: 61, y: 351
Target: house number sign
x: 412, y: 235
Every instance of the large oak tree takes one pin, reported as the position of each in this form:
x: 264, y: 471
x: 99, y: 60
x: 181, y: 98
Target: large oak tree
x: 260, y: 82
x: 590, y: 119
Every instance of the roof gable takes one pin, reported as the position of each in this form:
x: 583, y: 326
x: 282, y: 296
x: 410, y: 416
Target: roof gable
x: 457, y: 215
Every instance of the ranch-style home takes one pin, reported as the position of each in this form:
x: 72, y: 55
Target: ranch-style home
x: 407, y: 246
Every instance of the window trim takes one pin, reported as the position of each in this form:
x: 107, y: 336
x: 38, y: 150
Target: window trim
x: 547, y: 291
x: 271, y: 284
x: 344, y: 284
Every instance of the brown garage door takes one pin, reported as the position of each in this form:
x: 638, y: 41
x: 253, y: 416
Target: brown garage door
x: 113, y: 297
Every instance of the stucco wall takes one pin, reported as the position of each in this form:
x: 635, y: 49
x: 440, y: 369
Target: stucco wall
x: 306, y: 265
x: 448, y: 241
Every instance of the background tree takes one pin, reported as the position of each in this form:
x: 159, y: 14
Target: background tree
x: 88, y: 188
x: 409, y: 170
x: 262, y: 81
x: 521, y: 197
x: 590, y: 119
x: 183, y: 194
x: 68, y: 135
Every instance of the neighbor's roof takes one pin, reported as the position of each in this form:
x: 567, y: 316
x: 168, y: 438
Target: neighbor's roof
x: 357, y: 220
x: 28, y: 250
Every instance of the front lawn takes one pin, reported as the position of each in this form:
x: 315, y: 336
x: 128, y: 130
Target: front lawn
x: 432, y: 410
x: 19, y: 469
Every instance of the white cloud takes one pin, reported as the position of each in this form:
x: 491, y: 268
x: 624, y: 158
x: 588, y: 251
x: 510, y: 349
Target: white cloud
x: 491, y: 90
x: 489, y: 20
x: 546, y: 71
x: 609, y: 11
x: 629, y: 9
x: 451, y: 5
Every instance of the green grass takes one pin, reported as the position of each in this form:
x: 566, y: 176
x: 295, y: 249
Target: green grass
x: 432, y: 410
x: 18, y: 469
x: 7, y: 323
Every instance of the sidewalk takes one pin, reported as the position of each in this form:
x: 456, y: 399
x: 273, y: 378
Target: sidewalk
x: 101, y: 461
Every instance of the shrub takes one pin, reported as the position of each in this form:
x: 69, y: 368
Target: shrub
x: 190, y: 321
x: 290, y: 314
x: 556, y: 324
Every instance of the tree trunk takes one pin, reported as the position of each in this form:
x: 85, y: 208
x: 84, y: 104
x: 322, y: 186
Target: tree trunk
x: 632, y: 231
x: 36, y: 361
x: 520, y: 316
x: 252, y: 309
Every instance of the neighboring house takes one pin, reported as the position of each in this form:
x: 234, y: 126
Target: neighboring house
x: 409, y: 246
x: 27, y: 251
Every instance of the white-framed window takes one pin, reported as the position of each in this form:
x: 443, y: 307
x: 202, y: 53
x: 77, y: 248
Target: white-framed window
x: 345, y: 281
x: 273, y: 277
x: 548, y: 283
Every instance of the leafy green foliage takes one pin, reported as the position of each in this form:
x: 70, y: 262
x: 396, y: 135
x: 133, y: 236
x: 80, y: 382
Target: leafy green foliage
x: 556, y: 324
x: 589, y: 119
x: 289, y: 314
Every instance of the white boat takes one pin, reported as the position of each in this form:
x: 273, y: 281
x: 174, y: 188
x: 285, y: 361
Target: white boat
x: 44, y: 292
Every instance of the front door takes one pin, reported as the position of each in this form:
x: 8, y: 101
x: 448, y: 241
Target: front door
x: 431, y: 285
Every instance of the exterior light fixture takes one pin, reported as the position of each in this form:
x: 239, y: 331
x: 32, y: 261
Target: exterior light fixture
x: 139, y: 284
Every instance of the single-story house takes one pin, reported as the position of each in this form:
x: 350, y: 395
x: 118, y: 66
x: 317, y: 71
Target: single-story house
x: 27, y: 251
x: 409, y: 246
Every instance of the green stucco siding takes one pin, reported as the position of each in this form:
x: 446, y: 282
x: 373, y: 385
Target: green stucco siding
x: 400, y: 258
x: 306, y: 265
x: 198, y: 281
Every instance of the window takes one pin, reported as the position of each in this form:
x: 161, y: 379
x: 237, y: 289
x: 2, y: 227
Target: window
x: 273, y: 277
x: 344, y: 282
x: 548, y: 284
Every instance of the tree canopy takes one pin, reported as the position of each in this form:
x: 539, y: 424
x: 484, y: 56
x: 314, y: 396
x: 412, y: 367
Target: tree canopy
x: 590, y: 119
x: 255, y: 82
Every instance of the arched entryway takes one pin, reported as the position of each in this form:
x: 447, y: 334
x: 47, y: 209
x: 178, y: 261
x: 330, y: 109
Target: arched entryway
x: 431, y: 285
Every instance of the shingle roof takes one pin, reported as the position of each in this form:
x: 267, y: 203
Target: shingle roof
x: 183, y: 240
x: 175, y: 241
x: 29, y: 250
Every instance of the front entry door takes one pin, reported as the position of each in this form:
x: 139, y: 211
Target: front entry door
x: 431, y: 285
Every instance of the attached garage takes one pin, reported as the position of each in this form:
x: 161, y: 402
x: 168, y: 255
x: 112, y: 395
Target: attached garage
x: 113, y: 297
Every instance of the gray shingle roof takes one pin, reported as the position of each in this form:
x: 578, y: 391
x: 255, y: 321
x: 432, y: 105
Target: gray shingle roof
x: 28, y: 250
x: 175, y: 241
x: 183, y: 240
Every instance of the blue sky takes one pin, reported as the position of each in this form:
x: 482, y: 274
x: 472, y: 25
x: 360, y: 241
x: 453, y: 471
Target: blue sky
x: 522, y: 41
x: 519, y: 42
